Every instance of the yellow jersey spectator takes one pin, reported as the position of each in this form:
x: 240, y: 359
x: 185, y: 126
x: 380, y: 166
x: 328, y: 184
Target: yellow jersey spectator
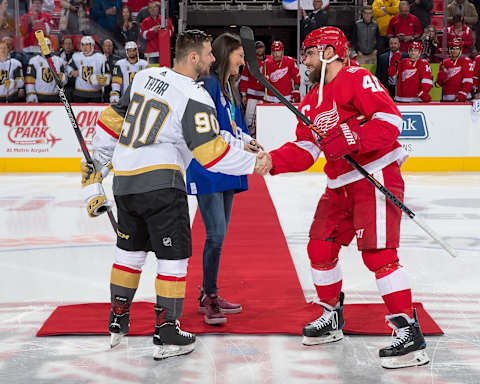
x: 383, y: 10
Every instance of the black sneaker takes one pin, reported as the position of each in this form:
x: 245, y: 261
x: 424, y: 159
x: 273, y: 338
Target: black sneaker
x: 408, y: 348
x: 119, y: 320
x: 328, y: 327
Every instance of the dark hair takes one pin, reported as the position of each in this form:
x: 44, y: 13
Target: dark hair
x: 191, y: 40
x: 222, y: 47
x: 367, y: 8
x: 120, y: 16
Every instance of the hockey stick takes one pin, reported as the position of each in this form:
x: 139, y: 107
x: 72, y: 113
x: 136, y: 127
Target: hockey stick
x: 61, y: 93
x: 248, y: 42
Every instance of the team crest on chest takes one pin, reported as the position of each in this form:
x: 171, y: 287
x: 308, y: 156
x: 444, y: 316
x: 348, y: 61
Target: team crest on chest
x: 3, y: 76
x: 87, y: 71
x: 408, y: 73
x: 328, y: 119
x: 47, y: 76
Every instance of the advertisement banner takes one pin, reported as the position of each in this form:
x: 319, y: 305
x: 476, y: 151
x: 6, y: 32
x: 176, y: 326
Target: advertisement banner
x: 44, y: 131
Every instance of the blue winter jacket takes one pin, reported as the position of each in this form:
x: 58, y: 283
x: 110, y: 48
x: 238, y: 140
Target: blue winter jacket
x: 98, y: 13
x: 199, y: 180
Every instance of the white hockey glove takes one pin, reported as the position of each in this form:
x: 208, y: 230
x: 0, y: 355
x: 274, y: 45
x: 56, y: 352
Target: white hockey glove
x: 99, y: 80
x: 114, y: 97
x: 32, y: 98
x: 92, y: 190
x: 9, y: 84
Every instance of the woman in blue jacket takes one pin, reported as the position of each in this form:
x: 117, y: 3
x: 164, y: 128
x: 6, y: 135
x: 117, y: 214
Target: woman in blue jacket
x: 215, y: 191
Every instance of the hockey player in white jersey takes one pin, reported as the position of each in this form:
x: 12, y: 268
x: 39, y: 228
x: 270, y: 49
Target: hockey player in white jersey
x: 164, y: 119
x: 91, y: 72
x: 11, y: 76
x: 125, y: 70
x: 40, y: 85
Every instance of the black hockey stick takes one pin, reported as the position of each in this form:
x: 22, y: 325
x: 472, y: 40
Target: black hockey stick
x: 248, y: 42
x: 61, y: 93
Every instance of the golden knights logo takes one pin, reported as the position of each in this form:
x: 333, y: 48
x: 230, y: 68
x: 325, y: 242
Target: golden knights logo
x: 131, y: 75
x: 47, y: 75
x: 3, y: 76
x: 87, y: 71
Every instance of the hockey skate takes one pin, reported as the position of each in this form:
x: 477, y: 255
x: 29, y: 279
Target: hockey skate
x: 169, y: 339
x: 328, y: 327
x: 119, y: 320
x: 408, y: 348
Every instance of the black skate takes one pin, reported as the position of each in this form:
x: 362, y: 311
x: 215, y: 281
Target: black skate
x: 328, y: 327
x: 170, y: 340
x: 408, y: 348
x: 119, y: 320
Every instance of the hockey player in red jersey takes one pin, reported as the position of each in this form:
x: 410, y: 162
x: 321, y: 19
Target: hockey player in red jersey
x: 359, y: 119
x: 414, y: 75
x: 250, y: 88
x: 456, y: 74
x: 476, y: 77
x: 283, y: 74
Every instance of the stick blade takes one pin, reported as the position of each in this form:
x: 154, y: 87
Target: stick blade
x: 248, y: 41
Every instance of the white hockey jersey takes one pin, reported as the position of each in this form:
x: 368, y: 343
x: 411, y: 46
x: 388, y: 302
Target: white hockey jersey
x: 39, y: 79
x: 123, y: 74
x: 151, y: 134
x: 11, y: 77
x: 88, y: 67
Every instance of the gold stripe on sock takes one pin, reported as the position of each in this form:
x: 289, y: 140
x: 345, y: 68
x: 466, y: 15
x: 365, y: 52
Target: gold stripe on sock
x: 170, y: 289
x: 124, y: 278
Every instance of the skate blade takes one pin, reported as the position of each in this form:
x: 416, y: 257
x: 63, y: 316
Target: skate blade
x: 115, y: 339
x: 409, y: 360
x: 163, y: 351
x: 330, y: 338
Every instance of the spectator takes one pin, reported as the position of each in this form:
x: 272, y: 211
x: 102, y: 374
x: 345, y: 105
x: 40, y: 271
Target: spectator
x: 383, y: 11
x: 414, y: 75
x: 318, y: 18
x: 384, y: 62
x: 32, y: 21
x: 20, y: 56
x: 39, y: 82
x: 66, y: 53
x: 11, y: 79
x: 7, y: 22
x: 430, y: 43
x: 421, y: 9
x: 215, y: 191
x: 125, y: 70
x: 48, y: 6
x: 90, y: 73
x: 112, y: 58
x: 251, y: 89
x: 282, y: 72
x: 464, y: 9
x: 456, y: 74
x: 135, y: 6
x: 105, y: 14
x: 459, y: 30
x: 366, y: 37
x: 74, y: 18
x: 404, y: 25
x: 149, y: 30
x: 127, y: 28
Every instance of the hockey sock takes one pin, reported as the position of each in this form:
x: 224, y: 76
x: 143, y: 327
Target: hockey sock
x: 395, y: 289
x: 170, y: 295
x: 123, y: 284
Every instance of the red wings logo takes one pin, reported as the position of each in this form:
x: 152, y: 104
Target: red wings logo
x: 451, y: 72
x: 278, y: 74
x: 328, y: 119
x: 408, y: 73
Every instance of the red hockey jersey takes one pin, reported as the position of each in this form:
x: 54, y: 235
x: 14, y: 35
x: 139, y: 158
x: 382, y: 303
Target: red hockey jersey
x: 353, y: 93
x: 249, y: 86
x: 280, y: 75
x: 476, y: 73
x: 412, y: 79
x: 465, y: 35
x: 151, y: 36
x: 456, y: 78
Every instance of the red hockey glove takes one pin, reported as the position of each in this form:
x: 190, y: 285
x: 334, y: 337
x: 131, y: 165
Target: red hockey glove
x: 461, y: 97
x: 425, y: 96
x: 295, y: 96
x: 340, y: 141
x: 441, y: 78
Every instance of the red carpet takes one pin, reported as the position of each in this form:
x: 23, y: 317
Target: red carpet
x: 256, y: 270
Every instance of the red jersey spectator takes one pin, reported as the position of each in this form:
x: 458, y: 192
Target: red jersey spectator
x: 476, y: 76
x: 456, y: 74
x: 251, y: 90
x: 460, y: 30
x: 282, y: 73
x: 32, y: 21
x: 404, y: 25
x: 149, y: 31
x: 414, y: 75
x: 135, y: 5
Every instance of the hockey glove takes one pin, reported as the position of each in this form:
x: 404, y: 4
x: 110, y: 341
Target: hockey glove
x: 99, y: 80
x: 92, y: 190
x: 340, y: 141
x: 425, y: 96
x: 461, y: 97
x: 114, y: 97
x: 295, y: 96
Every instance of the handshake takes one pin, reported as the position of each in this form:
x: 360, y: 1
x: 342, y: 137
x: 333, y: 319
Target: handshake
x: 263, y: 165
